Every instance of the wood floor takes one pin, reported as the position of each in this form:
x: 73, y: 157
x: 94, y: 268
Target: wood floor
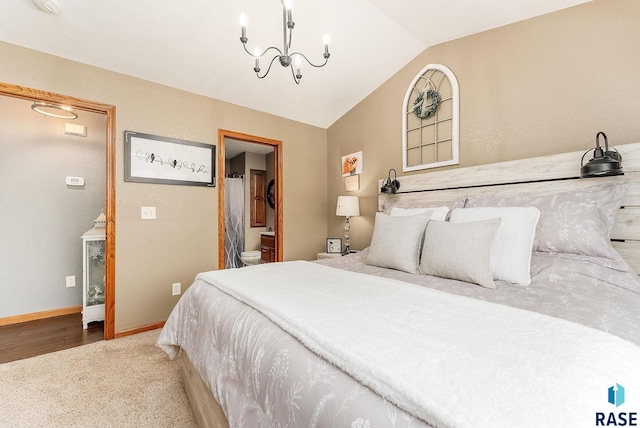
x: 28, y: 339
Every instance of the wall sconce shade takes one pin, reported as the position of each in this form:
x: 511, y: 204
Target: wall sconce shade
x: 389, y: 185
x: 604, y: 162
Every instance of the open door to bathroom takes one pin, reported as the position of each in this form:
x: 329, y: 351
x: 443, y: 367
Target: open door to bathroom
x: 237, y: 145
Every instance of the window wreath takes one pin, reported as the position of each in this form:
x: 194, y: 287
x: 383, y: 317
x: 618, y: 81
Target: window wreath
x: 422, y: 108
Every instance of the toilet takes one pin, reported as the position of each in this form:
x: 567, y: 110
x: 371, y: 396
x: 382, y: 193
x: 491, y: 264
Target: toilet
x: 250, y: 257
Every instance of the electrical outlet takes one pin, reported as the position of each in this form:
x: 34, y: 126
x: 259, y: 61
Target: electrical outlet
x: 176, y: 288
x: 71, y: 281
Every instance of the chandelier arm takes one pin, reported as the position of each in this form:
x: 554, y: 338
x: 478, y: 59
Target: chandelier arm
x: 326, y: 59
x: 268, y: 69
x: 263, y: 53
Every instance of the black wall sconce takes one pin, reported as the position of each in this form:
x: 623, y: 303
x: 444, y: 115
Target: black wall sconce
x: 389, y: 185
x: 604, y: 162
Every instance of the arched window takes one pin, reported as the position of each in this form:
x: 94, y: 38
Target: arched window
x: 430, y: 120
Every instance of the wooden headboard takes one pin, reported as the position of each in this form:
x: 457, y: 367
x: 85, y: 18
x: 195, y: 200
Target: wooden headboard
x: 541, y: 175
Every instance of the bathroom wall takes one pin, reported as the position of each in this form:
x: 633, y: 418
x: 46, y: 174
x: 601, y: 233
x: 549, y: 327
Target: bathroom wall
x: 243, y: 164
x: 251, y: 234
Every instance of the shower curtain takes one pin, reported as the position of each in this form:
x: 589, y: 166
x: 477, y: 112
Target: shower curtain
x: 233, y: 222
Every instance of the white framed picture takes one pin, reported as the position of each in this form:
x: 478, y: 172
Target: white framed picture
x: 351, y: 164
x: 334, y: 245
x: 352, y: 183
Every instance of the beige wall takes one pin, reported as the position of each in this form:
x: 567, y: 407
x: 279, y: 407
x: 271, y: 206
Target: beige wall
x: 542, y: 86
x: 150, y: 255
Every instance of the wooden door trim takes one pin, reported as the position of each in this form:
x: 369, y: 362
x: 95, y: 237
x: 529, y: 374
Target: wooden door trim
x: 110, y: 212
x: 278, y: 215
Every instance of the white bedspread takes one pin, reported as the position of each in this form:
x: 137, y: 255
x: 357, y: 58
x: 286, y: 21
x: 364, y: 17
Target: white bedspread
x: 446, y: 359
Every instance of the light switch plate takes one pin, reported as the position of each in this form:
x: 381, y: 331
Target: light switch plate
x: 148, y: 213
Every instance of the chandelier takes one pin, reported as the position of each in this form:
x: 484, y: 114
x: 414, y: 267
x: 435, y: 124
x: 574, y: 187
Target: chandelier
x: 286, y: 59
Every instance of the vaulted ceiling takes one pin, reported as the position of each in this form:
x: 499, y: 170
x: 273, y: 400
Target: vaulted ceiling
x: 195, y: 45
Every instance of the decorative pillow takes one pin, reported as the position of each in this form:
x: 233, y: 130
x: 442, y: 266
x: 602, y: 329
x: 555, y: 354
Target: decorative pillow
x: 459, y: 251
x: 511, y: 248
x: 436, y: 213
x: 396, y: 241
x: 575, y: 222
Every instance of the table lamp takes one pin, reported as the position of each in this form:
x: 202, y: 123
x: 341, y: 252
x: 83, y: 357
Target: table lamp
x: 348, y: 206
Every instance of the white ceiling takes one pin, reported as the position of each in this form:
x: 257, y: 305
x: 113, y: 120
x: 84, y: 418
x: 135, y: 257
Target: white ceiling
x: 194, y: 44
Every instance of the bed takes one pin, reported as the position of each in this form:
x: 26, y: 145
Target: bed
x: 540, y: 330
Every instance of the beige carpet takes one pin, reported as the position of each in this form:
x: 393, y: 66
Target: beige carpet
x: 125, y: 382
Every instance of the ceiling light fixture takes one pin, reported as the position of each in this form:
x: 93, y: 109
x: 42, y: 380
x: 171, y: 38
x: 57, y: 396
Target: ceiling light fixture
x: 49, y: 6
x: 54, y: 110
x: 286, y: 59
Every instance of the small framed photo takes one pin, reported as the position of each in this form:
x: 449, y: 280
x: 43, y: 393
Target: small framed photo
x: 352, y: 183
x: 351, y: 164
x: 334, y: 245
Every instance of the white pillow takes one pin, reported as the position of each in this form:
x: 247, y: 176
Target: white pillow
x: 511, y: 248
x: 436, y: 213
x: 396, y: 242
x: 459, y: 251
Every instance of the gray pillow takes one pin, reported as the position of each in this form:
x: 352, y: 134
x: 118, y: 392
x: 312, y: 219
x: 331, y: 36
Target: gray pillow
x: 511, y: 249
x: 575, y: 222
x: 460, y: 251
x: 396, y: 241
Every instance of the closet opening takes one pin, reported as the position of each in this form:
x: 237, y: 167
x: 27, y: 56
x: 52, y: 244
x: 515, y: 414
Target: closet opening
x: 109, y: 111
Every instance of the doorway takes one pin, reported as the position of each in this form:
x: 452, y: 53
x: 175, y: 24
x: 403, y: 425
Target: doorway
x: 225, y: 136
x: 109, y: 112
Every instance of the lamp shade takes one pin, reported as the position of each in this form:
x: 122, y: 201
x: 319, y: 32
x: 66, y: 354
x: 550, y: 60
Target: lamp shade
x: 348, y: 206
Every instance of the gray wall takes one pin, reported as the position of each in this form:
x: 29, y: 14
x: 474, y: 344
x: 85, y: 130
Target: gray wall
x: 41, y: 218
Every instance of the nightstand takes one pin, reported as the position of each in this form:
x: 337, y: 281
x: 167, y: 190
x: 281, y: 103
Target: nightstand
x: 328, y: 255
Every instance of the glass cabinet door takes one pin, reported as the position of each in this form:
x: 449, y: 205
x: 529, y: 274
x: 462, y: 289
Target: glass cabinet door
x: 95, y: 273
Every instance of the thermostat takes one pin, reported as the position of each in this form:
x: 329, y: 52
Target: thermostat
x: 75, y: 181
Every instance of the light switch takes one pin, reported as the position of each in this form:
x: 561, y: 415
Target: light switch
x: 148, y: 213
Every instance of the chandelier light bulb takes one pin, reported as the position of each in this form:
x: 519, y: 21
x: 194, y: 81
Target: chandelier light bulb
x: 243, y: 23
x: 256, y: 53
x: 287, y: 4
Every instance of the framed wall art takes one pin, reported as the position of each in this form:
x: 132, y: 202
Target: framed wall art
x: 163, y: 160
x: 351, y: 164
x: 430, y: 120
x: 352, y: 183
